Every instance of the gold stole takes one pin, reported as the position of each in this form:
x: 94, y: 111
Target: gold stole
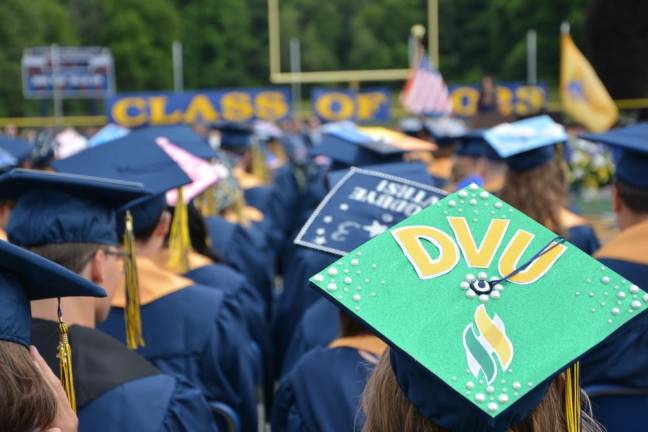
x: 630, y: 245
x: 154, y: 282
x: 368, y: 343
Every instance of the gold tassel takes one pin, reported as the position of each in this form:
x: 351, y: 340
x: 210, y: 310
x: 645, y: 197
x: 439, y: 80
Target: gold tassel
x: 132, y: 318
x: 179, y: 241
x: 573, y: 398
x: 65, y: 360
x: 259, y: 166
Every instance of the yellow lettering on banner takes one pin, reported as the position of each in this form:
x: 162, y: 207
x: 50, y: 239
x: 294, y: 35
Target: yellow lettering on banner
x: 324, y: 106
x: 514, y: 251
x: 478, y: 257
x: 271, y: 105
x: 529, y: 99
x: 200, y: 107
x: 369, y: 104
x: 504, y: 100
x: 409, y: 239
x: 121, y: 115
x: 464, y: 101
x: 237, y: 106
x: 159, y: 116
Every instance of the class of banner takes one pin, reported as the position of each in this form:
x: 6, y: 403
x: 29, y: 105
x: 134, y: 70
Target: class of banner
x: 512, y: 99
x: 163, y: 108
x: 329, y: 104
x: 336, y: 104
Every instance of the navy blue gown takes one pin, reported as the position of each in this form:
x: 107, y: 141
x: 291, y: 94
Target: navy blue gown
x: 319, y: 326
x: 622, y: 359
x: 323, y: 392
x: 579, y: 232
x: 296, y: 296
x: 117, y: 390
x: 197, y: 332
x: 245, y: 250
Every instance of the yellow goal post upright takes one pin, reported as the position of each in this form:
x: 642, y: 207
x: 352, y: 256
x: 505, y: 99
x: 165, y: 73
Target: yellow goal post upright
x: 353, y: 76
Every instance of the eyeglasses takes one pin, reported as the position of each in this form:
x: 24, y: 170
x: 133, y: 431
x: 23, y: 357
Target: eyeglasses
x: 113, y: 252
x: 107, y: 251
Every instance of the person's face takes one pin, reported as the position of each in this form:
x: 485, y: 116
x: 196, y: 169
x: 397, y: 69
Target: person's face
x: 487, y: 84
x: 111, y: 267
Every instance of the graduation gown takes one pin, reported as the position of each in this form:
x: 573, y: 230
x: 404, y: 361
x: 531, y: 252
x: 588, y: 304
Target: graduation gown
x: 579, y: 232
x: 245, y: 250
x: 622, y: 359
x: 296, y: 296
x: 221, y: 277
x: 117, y: 390
x: 194, y: 331
x: 323, y: 392
x: 319, y: 326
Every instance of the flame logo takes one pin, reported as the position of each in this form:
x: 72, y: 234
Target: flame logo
x: 485, y: 342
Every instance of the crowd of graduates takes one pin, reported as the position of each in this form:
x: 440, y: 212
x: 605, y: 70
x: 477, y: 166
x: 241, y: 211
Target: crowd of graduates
x: 157, y: 276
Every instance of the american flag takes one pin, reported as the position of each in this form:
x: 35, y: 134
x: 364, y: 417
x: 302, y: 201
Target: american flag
x: 425, y: 92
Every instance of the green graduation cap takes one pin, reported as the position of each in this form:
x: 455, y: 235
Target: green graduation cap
x: 482, y: 307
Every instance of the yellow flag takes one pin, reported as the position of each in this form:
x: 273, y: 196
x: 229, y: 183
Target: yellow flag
x: 583, y: 95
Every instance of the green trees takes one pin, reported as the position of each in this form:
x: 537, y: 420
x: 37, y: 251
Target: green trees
x: 24, y: 24
x: 226, y: 43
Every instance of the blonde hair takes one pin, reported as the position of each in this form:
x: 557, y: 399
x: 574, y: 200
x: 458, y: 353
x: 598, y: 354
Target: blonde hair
x: 540, y: 193
x: 388, y: 410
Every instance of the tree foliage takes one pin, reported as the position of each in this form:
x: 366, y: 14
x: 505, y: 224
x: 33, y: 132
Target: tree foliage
x: 225, y: 42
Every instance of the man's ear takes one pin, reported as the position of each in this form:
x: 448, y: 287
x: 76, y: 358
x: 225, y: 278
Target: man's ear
x: 162, y: 228
x: 97, y: 267
x: 617, y: 203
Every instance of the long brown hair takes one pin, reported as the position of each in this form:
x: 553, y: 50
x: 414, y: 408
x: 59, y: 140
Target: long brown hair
x: 540, y: 193
x: 388, y: 410
x: 26, y: 401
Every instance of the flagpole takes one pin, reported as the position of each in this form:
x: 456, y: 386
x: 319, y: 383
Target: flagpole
x: 433, y: 32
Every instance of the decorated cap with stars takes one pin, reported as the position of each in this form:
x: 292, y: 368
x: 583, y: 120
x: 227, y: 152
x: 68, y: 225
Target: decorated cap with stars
x: 632, y: 164
x: 526, y: 144
x: 482, y: 306
x: 362, y: 205
x: 415, y: 171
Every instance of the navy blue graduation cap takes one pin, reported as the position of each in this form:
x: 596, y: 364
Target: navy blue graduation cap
x: 19, y: 149
x: 347, y: 147
x: 362, y: 205
x: 180, y: 135
x: 131, y: 159
x: 632, y: 163
x: 235, y: 137
x: 64, y: 208
x: 474, y: 145
x: 445, y: 131
x: 414, y: 171
x: 26, y: 276
x: 528, y: 143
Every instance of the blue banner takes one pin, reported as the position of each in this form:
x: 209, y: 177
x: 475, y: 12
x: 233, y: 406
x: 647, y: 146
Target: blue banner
x: 512, y: 98
x: 164, y: 108
x: 367, y: 105
x: 362, y: 205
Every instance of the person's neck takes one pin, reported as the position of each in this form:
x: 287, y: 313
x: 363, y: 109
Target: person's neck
x: 150, y: 249
x: 76, y: 310
x: 629, y: 219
